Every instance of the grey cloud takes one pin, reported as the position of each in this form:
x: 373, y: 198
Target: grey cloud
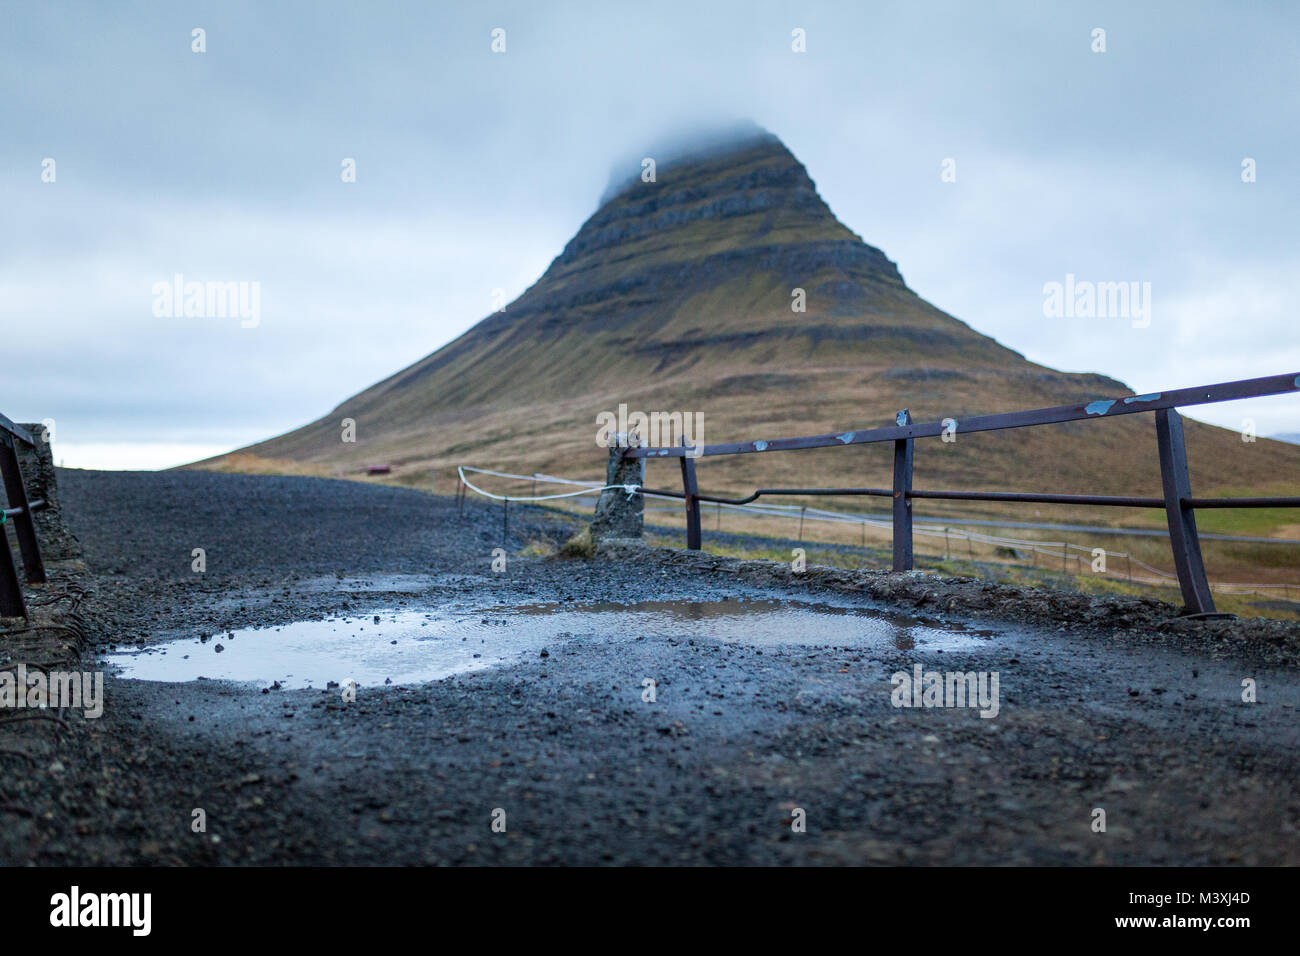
x: 474, y: 169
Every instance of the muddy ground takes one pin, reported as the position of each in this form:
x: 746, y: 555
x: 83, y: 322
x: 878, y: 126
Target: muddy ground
x: 1105, y: 704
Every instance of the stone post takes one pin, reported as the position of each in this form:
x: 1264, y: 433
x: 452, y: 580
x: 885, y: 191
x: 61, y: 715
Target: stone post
x: 37, y: 464
x: 620, y: 515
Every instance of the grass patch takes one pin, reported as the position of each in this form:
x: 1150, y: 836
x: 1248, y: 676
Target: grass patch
x: 256, y: 465
x: 581, y: 545
x: 538, y: 548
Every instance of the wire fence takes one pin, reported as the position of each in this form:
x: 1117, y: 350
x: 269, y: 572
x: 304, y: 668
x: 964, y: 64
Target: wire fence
x: 1056, y: 550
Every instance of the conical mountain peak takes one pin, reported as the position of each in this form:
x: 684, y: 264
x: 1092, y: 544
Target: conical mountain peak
x: 721, y: 191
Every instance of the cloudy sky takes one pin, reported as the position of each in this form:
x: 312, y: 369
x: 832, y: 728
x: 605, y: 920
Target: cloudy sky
x: 473, y: 168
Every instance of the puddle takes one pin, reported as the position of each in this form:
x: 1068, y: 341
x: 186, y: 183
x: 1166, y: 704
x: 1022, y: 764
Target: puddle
x: 411, y: 647
x: 762, y: 623
x: 407, y: 647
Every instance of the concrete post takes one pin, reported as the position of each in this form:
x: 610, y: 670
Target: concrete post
x: 618, y: 514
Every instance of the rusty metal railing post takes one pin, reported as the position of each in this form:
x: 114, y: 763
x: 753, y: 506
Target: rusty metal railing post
x: 903, y: 451
x: 692, y: 490
x: 1182, y: 519
x: 24, y: 527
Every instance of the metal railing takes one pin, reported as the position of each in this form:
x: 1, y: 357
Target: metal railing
x: 19, y: 514
x: 1177, y: 500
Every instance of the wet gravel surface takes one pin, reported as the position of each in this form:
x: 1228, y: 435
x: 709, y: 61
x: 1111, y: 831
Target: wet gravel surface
x: 1103, y: 705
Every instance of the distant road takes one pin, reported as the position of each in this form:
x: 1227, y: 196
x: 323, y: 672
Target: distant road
x: 1139, y: 532
x: 1043, y: 526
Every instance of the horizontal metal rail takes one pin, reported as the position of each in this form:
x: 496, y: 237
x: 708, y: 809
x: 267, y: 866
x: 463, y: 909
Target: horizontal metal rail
x: 1116, y: 501
x: 40, y: 504
x: 17, y: 431
x: 879, y: 492
x: 1085, y: 411
x: 1113, y: 500
x: 1177, y: 500
x: 1241, y: 502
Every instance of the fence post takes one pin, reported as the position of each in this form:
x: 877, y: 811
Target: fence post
x: 902, y: 503
x: 1183, y: 537
x: 11, y: 592
x: 619, y: 515
x: 36, y: 461
x: 24, y: 527
x: 692, y: 489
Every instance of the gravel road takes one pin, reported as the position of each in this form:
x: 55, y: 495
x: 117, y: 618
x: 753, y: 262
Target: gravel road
x: 1102, y: 706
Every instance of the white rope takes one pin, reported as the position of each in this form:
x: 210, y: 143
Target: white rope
x: 534, y: 477
x: 630, y: 490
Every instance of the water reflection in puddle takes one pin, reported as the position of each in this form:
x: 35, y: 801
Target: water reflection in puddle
x: 411, y: 647
x: 758, y: 622
x: 407, y: 647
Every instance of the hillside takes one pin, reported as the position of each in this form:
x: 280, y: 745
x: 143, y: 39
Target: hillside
x: 676, y: 295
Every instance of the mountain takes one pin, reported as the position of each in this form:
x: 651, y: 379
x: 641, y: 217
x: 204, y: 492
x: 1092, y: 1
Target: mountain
x: 676, y: 295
